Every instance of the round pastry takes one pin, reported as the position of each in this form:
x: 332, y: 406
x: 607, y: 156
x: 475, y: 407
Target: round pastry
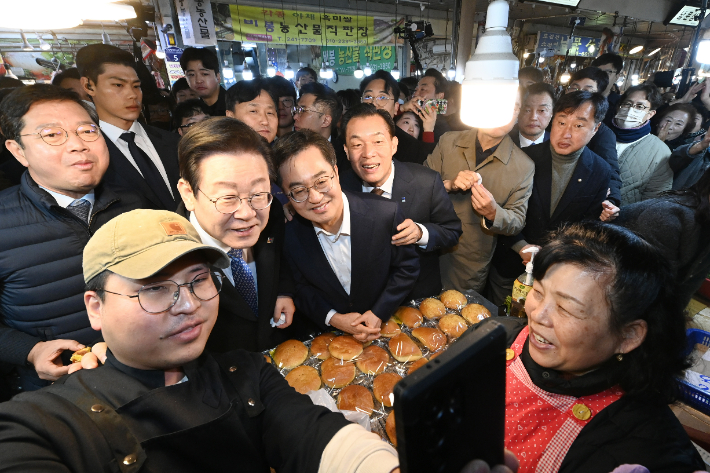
x: 345, y: 347
x: 373, y: 360
x: 290, y: 354
x: 319, y: 345
x: 337, y: 373
x: 409, y: 316
x: 432, y: 308
x: 474, y: 313
x: 452, y: 325
x: 416, y: 365
x: 356, y: 398
x: 382, y: 387
x: 432, y: 338
x: 304, y: 379
x: 453, y: 300
x: 390, y: 429
x: 390, y: 329
x: 404, y: 349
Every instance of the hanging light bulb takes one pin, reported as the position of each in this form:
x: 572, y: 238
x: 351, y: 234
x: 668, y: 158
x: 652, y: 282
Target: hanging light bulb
x: 591, y: 48
x: 159, y: 52
x: 288, y: 72
x: 573, y: 65
x: 541, y: 60
x: 526, y: 55
x: 271, y: 70
x: 358, y: 73
x: 26, y: 46
x: 394, y: 72
x: 452, y: 73
x: 246, y: 72
x: 368, y: 69
x: 565, y: 77
x: 445, y: 71
x: 322, y: 73
x: 43, y: 45
x: 105, y: 38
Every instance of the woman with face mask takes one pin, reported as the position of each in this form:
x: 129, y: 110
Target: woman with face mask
x: 643, y: 158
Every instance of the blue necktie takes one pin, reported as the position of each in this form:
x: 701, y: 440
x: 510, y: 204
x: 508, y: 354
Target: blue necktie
x: 80, y: 208
x: 244, y: 279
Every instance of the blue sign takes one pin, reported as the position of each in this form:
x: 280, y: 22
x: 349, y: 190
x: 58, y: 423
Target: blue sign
x: 173, y: 54
x: 580, y: 46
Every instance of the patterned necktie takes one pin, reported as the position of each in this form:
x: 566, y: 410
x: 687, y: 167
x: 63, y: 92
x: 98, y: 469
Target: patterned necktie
x: 80, y: 208
x: 244, y: 279
x: 377, y: 191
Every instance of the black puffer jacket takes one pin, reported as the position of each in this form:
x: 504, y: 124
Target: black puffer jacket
x: 41, y: 281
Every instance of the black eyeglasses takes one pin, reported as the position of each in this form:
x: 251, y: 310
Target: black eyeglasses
x: 299, y: 109
x: 637, y: 106
x: 161, y: 296
x: 379, y: 99
x: 301, y: 193
x: 57, y: 136
x: 228, y: 204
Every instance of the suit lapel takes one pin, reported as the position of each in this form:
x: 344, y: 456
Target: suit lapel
x: 542, y: 189
x: 402, y: 188
x: 577, y: 183
x: 167, y: 155
x: 129, y: 173
x: 361, y: 226
x: 265, y: 259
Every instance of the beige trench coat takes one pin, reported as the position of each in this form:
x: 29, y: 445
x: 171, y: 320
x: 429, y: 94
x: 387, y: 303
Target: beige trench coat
x: 508, y: 175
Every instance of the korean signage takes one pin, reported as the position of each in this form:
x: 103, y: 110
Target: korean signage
x: 344, y: 59
x: 266, y: 25
x: 172, y: 63
x: 558, y: 42
x: 196, y: 22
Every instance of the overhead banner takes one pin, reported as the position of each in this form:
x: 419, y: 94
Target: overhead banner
x: 555, y: 44
x: 196, y: 22
x: 344, y: 59
x: 265, y: 25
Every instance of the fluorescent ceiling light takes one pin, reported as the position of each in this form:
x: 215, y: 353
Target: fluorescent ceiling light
x: 653, y: 52
x: 636, y: 49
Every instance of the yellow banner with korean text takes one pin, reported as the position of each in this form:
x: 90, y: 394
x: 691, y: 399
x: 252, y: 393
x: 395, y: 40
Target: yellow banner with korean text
x: 268, y: 25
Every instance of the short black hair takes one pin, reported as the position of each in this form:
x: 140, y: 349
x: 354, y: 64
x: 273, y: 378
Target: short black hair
x: 403, y: 89
x: 532, y: 73
x: 600, y: 77
x: 17, y: 103
x: 638, y: 283
x: 348, y: 98
x: 307, y: 70
x: 10, y: 83
x: 206, y: 56
x: 97, y: 284
x: 365, y: 110
x: 610, y: 58
x: 179, y: 85
x: 539, y: 88
x: 295, y: 142
x: 570, y: 102
x: 391, y: 85
x: 653, y: 95
x: 325, y: 98
x: 71, y: 73
x: 188, y: 109
x: 248, y: 90
x: 91, y: 59
x: 440, y: 82
x: 281, y: 87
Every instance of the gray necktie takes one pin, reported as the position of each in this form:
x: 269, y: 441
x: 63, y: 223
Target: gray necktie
x: 80, y: 208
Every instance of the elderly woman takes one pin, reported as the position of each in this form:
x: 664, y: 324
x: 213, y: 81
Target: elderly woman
x: 590, y: 376
x: 674, y: 124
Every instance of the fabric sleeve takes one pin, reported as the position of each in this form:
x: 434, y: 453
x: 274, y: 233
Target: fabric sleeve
x: 510, y: 218
x: 355, y: 450
x: 428, y: 137
x: 435, y: 160
x: 15, y: 345
x: 662, y: 177
x: 444, y: 226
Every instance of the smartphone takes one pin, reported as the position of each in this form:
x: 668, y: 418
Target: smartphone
x: 452, y: 410
x: 439, y: 104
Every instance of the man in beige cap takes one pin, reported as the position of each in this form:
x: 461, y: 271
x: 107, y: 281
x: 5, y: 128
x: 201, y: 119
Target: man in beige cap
x: 159, y: 403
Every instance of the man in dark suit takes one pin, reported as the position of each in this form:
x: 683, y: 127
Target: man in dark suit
x: 348, y: 274
x: 535, y: 115
x: 431, y: 223
x: 142, y: 158
x: 571, y: 182
x: 225, y: 189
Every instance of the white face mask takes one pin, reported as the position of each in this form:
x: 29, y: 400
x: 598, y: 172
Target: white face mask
x: 630, y: 117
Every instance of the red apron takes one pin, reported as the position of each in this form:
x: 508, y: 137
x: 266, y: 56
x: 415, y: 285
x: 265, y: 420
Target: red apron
x: 540, y: 427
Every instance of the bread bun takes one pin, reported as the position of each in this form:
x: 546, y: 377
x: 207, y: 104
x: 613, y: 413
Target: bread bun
x: 290, y: 354
x: 391, y: 429
x: 452, y: 325
x: 382, y: 387
x: 474, y: 313
x: 79, y: 354
x: 319, y: 345
x: 432, y: 338
x: 356, y: 398
x: 453, y: 300
x: 416, y: 365
x: 373, y: 360
x: 404, y: 349
x: 345, y: 347
x: 304, y: 379
x: 390, y: 329
x: 409, y: 316
x: 337, y: 373
x: 432, y: 308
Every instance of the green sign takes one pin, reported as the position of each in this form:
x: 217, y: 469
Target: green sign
x: 344, y: 59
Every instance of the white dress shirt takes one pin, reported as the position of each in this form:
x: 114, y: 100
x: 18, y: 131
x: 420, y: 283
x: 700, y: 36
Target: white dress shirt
x: 524, y: 142
x: 64, y: 200
x: 387, y: 193
x: 142, y: 141
x: 208, y: 239
x: 338, y: 250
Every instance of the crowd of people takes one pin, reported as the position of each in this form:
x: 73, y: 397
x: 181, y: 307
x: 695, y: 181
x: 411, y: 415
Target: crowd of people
x: 290, y: 209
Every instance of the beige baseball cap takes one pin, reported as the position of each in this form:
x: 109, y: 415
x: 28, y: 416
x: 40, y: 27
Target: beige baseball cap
x: 138, y: 244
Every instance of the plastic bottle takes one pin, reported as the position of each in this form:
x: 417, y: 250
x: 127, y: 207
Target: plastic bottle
x: 522, y: 286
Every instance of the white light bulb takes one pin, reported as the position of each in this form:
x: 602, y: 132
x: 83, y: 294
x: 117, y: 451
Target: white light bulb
x: 703, y: 54
x: 228, y: 73
x: 271, y: 70
x: 573, y: 65
x: 322, y: 73
x: 636, y: 50
x: 395, y: 73
x: 368, y: 69
x: 526, y: 55
x: 358, y: 73
x: 591, y: 48
x: 289, y: 73
x: 452, y: 74
x: 247, y: 74
x: 541, y: 60
x: 565, y: 77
